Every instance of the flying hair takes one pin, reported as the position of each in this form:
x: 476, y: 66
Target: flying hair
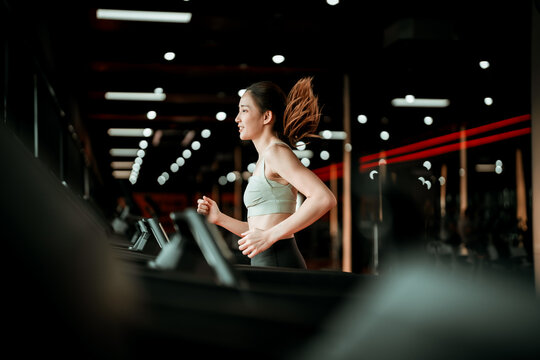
x: 302, y: 113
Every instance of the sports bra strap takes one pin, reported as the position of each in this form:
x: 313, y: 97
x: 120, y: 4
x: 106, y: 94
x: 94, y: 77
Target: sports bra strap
x: 262, y: 159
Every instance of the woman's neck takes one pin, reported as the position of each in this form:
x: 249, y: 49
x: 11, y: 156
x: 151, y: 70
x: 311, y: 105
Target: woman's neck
x: 262, y: 142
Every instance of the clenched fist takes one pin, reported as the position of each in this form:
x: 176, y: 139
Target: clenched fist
x: 208, y: 208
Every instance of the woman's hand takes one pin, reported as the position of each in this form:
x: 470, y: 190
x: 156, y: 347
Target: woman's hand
x: 208, y: 208
x: 254, y: 242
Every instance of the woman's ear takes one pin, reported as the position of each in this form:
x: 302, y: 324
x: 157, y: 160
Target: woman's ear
x: 267, y: 117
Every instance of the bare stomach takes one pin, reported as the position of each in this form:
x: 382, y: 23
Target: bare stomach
x: 264, y: 222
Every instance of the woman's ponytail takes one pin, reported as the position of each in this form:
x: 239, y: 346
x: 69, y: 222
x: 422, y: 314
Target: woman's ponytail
x: 302, y: 114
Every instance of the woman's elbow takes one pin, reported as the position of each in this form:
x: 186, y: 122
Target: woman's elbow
x: 330, y: 201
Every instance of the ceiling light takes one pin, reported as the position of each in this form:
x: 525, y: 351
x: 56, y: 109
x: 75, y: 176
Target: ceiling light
x: 231, y: 176
x: 241, y: 92
x: 121, y: 164
x: 325, y: 155
x: 418, y: 102
x: 151, y: 115
x: 362, y: 119
x: 206, y: 133
x: 221, y: 116
x: 121, y: 174
x: 303, y: 153
x: 169, y: 56
x: 332, y: 2
x: 384, y: 135
x: 484, y: 64
x: 123, y: 152
x: 485, y: 167
x: 136, y: 15
x: 125, y: 132
x: 333, y: 135
x: 143, y: 144
x: 428, y: 120
x: 278, y: 59
x: 488, y: 101
x: 135, y: 96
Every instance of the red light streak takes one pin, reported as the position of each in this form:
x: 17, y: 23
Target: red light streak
x: 451, y: 147
x: 446, y: 138
x: 324, y: 172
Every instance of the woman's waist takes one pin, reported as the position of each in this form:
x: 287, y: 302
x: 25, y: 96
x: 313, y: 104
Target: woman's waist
x: 267, y: 221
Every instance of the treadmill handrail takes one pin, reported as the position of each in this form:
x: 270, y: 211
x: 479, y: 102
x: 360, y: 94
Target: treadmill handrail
x: 158, y: 231
x: 213, y: 247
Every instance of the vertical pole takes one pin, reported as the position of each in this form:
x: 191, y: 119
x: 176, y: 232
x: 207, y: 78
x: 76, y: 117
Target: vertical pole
x: 444, y: 175
x: 521, y: 199
x: 334, y: 240
x: 463, y: 175
x: 347, y: 217
x: 238, y: 183
x: 535, y: 137
x: 36, y: 144
x: 6, y: 79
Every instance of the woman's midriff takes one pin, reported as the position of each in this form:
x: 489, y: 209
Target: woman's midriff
x: 264, y: 222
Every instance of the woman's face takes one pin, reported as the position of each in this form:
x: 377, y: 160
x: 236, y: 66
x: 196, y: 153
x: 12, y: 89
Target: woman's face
x: 250, y: 119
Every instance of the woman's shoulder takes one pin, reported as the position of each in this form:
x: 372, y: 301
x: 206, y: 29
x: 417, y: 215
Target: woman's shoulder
x: 276, y: 148
x: 278, y: 153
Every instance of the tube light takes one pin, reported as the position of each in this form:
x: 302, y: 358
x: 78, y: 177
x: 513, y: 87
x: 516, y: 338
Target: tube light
x: 121, y: 174
x: 135, y: 132
x: 303, y: 153
x: 485, y: 167
x: 122, y: 164
x: 135, y: 96
x: 419, y: 102
x: 137, y: 15
x: 333, y: 135
x: 123, y: 152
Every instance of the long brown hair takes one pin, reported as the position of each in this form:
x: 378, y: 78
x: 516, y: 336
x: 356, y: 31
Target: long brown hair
x: 296, y: 115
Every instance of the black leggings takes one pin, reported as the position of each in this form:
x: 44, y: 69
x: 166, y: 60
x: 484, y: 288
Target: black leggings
x: 284, y: 253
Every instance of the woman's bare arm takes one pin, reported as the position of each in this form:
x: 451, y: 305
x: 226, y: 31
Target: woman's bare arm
x: 210, y: 209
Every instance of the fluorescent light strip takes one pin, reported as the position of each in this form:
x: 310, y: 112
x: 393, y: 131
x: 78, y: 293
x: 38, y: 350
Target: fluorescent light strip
x: 122, y: 164
x: 136, y: 15
x: 121, y: 174
x: 303, y: 154
x: 123, y: 152
x: 419, y: 102
x: 333, y: 135
x: 135, y: 96
x: 133, y: 132
x: 485, y: 167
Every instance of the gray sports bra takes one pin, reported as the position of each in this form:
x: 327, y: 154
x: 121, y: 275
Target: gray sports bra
x: 265, y: 196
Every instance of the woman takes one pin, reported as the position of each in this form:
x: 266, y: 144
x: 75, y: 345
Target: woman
x: 266, y: 116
